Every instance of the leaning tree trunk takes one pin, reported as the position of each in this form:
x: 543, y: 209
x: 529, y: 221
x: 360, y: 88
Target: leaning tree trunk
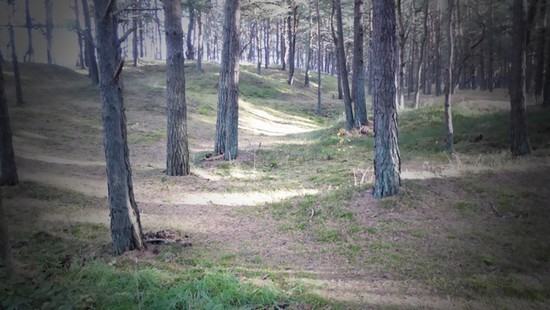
x: 49, y: 30
x: 448, y: 80
x: 126, y: 230
x: 8, y: 174
x: 15, y: 65
x: 359, y: 75
x: 228, y: 90
x: 177, y: 148
x: 5, y: 249
x: 520, y: 140
x: 387, y: 161
x: 29, y: 54
x: 342, y: 66
x: 89, y: 47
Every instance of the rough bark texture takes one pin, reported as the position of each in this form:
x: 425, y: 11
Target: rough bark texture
x: 449, y: 80
x: 228, y: 90
x: 177, y: 148
x: 518, y: 117
x: 49, y: 30
x: 8, y: 173
x: 342, y: 66
x: 15, y: 65
x: 89, y: 48
x: 5, y: 249
x: 387, y: 161
x: 359, y: 75
x: 29, y: 54
x: 126, y: 230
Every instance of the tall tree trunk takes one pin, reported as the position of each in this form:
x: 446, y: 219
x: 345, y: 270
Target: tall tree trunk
x: 159, y: 32
x: 490, y: 60
x: 15, y: 65
x: 141, y: 38
x: 359, y: 75
x: 29, y: 54
x: 308, y: 44
x: 78, y: 29
x: 228, y: 90
x: 539, y: 53
x: 8, y: 173
x: 518, y: 115
x: 449, y: 79
x: 292, y: 28
x: 267, y: 43
x: 342, y: 66
x: 401, y: 57
x: 258, y: 48
x: 89, y: 47
x: 135, y: 40
x: 546, y: 87
x: 421, y: 56
x: 437, y: 65
x: 198, y: 67
x: 5, y: 249
x: 177, y: 148
x: 190, y: 52
x: 387, y: 160
x: 49, y: 30
x: 319, y: 47
x: 126, y: 230
x: 284, y: 50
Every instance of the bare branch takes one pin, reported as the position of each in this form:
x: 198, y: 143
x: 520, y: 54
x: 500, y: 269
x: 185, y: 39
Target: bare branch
x: 125, y: 35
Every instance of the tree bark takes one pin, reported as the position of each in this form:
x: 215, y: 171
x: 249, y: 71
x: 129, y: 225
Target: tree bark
x: 89, y: 48
x: 8, y: 173
x: 15, y: 65
x: 421, y: 56
x: 342, y: 66
x: 126, y: 229
x: 177, y: 148
x: 49, y: 30
x: 387, y: 161
x: 449, y: 80
x: 5, y: 249
x: 359, y: 75
x: 29, y: 54
x: 518, y: 115
x: 228, y: 90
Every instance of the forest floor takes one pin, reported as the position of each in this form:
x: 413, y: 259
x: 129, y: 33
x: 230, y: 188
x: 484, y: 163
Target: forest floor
x: 291, y: 222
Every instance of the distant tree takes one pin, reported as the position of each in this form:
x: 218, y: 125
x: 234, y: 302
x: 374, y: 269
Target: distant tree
x: 449, y: 79
x: 539, y: 52
x: 292, y: 23
x: 177, y: 150
x: 518, y: 115
x: 227, y: 121
x: 190, y: 51
x: 89, y: 54
x: 198, y: 65
x: 29, y: 54
x: 421, y: 57
x: 15, y: 66
x: 126, y: 229
x: 78, y: 30
x: 358, y: 69
x: 49, y: 30
x: 387, y: 160
x: 319, y: 59
x: 309, y: 50
x: 5, y: 249
x: 342, y: 66
x: 8, y: 173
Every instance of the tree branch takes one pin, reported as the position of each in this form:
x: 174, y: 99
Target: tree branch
x: 125, y: 35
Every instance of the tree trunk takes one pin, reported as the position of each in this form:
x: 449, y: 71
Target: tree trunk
x: 387, y: 161
x: 159, y: 33
x: 78, y: 29
x: 490, y: 61
x: 421, y: 56
x: 8, y: 174
x: 126, y: 230
x: 258, y: 48
x: 401, y: 57
x: 308, y: 45
x: 91, y: 62
x: 342, y: 66
x: 228, y: 90
x: 292, y: 28
x: 539, y: 53
x: 359, y: 75
x: 29, y: 54
x: 520, y: 140
x: 49, y: 30
x: 177, y: 148
x: 449, y: 80
x: 267, y: 44
x: 198, y: 67
x: 135, y: 41
x: 546, y: 87
x: 319, y: 47
x: 5, y: 249
x: 190, y: 52
x: 283, y: 45
x: 437, y: 65
x: 15, y: 65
